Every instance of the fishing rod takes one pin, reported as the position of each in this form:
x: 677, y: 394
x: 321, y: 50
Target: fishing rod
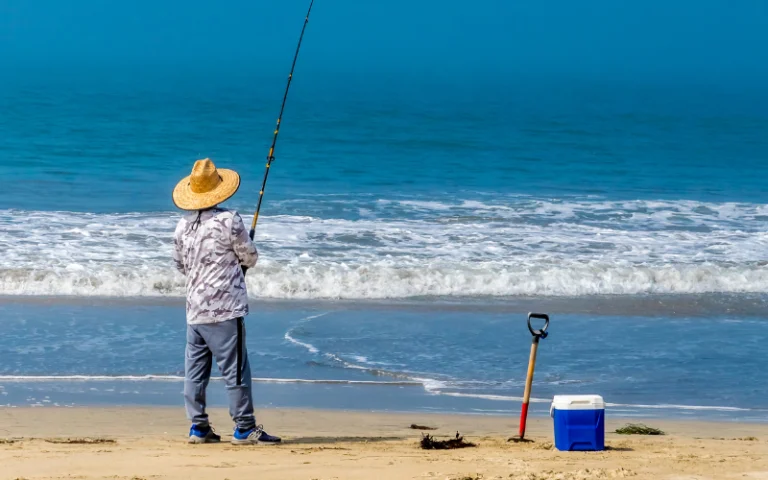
x: 271, y: 155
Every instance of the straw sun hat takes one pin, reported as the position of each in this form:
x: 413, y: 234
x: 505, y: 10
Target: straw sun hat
x: 206, y: 187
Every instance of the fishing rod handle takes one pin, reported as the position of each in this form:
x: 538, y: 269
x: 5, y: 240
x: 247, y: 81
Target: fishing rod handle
x: 542, y: 332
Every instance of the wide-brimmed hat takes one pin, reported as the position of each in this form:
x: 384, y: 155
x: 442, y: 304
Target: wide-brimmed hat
x: 206, y: 187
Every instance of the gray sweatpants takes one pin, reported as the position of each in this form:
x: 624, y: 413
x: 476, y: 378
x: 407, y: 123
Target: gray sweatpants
x: 224, y: 341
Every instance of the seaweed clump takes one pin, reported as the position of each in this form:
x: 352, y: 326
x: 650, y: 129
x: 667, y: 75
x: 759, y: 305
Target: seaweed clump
x: 638, y: 429
x: 428, y: 442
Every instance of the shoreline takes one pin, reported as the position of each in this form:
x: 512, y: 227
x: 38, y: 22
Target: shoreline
x: 538, y: 420
x: 403, y: 397
x: 382, y: 357
x: 94, y: 442
x: 292, y: 422
x: 666, y: 305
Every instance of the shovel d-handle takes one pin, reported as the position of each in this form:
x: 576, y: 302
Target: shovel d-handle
x: 542, y: 332
x: 537, y: 334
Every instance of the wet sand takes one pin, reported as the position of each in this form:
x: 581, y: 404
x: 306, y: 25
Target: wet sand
x: 677, y: 305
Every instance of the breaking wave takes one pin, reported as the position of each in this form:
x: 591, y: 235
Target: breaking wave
x: 384, y: 281
x: 412, y: 248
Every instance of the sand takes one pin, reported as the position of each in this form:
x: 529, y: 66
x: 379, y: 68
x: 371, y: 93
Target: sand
x: 150, y: 443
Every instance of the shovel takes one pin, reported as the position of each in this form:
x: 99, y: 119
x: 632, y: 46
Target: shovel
x: 537, y: 334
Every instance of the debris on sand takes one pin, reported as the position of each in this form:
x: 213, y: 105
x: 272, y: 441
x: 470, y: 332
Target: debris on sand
x: 80, y: 441
x: 428, y: 442
x: 638, y: 429
x: 586, y: 474
x: 517, y: 439
x: 421, y: 427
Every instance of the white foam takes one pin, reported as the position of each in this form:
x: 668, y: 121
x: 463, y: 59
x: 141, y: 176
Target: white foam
x: 92, y: 378
x: 508, y: 398
x: 681, y: 407
x: 431, y: 385
x: 422, y: 205
x: 380, y: 280
x: 503, y: 247
x: 503, y: 398
x: 176, y: 378
x: 310, y: 348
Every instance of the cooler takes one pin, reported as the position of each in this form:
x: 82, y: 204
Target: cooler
x: 579, y: 422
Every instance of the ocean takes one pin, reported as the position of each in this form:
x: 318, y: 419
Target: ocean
x: 407, y: 230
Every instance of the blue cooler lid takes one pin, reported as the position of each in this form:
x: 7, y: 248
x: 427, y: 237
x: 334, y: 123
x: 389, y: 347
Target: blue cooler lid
x: 576, y: 402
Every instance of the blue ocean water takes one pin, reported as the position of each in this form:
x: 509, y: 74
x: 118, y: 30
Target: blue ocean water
x: 127, y: 141
x: 390, y: 190
x: 400, y: 191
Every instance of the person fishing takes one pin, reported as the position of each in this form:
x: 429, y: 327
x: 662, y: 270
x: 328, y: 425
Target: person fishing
x: 212, y: 248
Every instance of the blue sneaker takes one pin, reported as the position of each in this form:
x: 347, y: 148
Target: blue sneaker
x: 254, y: 436
x: 203, y: 435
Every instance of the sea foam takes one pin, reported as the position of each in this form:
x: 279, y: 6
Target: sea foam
x: 412, y: 248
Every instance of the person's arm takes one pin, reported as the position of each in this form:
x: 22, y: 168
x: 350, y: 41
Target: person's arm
x: 242, y: 244
x: 177, y: 257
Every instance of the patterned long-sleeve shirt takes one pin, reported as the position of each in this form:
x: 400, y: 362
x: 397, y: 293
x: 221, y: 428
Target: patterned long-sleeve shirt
x: 210, y: 249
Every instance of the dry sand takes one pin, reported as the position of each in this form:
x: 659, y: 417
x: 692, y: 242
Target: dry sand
x: 150, y: 443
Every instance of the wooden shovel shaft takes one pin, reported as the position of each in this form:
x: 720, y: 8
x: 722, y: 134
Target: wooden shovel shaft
x: 529, y: 377
x: 528, y: 383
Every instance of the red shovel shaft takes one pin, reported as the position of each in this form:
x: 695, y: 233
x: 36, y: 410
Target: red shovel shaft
x: 528, y: 383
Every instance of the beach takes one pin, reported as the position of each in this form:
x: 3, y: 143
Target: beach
x: 150, y: 443
x: 415, y: 215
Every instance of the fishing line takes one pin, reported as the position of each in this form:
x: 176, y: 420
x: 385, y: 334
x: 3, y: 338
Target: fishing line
x: 271, y: 155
